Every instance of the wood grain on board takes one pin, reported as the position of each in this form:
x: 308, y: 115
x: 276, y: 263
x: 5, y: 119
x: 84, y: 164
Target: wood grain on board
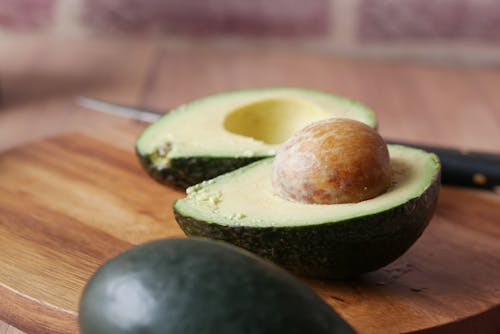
x: 428, y: 103
x: 69, y: 203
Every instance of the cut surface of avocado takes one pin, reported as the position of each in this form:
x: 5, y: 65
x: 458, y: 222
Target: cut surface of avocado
x: 223, y: 132
x: 272, y: 121
x: 327, y: 241
x: 246, y: 197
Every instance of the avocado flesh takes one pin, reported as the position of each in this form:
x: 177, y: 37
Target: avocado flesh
x: 333, y: 241
x: 223, y: 132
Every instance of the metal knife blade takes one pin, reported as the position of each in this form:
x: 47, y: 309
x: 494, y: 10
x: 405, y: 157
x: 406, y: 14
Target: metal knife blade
x: 139, y: 114
x: 458, y: 167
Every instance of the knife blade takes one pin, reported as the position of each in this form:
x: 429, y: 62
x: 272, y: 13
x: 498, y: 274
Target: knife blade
x: 471, y: 169
x: 121, y: 110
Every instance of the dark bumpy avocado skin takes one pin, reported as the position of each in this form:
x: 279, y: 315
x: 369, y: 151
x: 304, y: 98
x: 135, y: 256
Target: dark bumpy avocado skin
x: 194, y: 286
x: 332, y: 250
x: 185, y: 172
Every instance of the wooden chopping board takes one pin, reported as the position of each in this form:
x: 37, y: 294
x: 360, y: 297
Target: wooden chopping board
x: 69, y: 203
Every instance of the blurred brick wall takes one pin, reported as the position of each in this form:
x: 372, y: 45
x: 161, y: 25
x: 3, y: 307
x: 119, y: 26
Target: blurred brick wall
x: 446, y: 30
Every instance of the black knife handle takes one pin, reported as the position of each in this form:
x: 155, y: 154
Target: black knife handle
x: 465, y: 168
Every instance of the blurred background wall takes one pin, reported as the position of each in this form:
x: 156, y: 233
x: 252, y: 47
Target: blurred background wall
x: 458, y: 31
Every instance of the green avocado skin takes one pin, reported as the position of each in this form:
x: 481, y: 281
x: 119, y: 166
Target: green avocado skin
x: 185, y: 172
x: 339, y: 250
x: 196, y: 286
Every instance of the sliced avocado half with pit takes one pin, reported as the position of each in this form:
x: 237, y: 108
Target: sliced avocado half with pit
x: 330, y: 241
x: 220, y: 133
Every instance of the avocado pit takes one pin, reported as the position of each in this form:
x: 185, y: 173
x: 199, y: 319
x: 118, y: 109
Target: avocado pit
x: 333, y: 161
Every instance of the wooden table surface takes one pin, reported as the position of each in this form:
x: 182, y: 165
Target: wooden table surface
x: 431, y: 104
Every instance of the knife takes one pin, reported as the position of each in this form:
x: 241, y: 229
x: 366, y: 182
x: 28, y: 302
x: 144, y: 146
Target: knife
x: 458, y: 167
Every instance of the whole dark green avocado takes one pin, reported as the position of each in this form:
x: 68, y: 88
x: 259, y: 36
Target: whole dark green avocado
x: 200, y: 286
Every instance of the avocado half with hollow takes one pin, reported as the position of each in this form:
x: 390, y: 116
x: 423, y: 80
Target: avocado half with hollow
x: 220, y: 133
x: 331, y: 241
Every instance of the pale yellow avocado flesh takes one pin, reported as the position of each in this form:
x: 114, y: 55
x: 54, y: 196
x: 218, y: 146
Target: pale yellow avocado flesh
x: 248, y: 123
x: 246, y: 197
x: 272, y: 121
